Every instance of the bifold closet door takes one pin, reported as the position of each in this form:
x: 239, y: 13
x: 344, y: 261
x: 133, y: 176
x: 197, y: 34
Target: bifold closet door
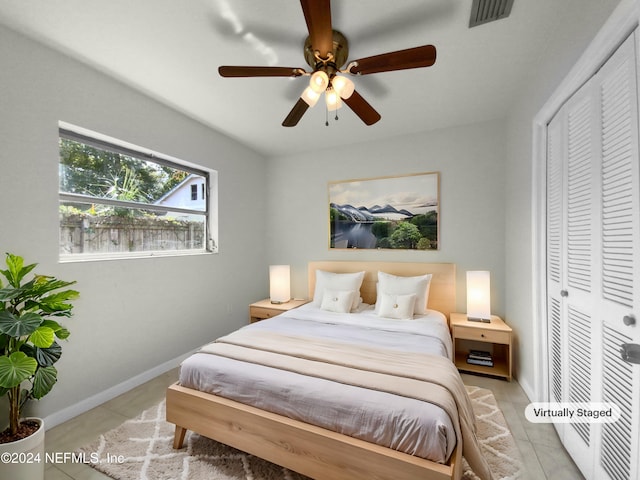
x: 572, y: 246
x: 593, y: 250
x: 619, y: 294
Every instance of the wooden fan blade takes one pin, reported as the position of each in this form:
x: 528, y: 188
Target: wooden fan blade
x: 417, y: 57
x: 230, y: 71
x: 317, y: 14
x: 362, y: 108
x: 296, y: 113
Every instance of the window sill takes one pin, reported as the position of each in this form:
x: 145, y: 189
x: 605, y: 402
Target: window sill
x: 80, y: 258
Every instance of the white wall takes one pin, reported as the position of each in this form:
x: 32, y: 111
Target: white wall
x: 471, y: 162
x: 133, y: 315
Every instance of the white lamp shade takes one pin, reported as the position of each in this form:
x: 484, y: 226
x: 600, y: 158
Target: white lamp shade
x: 333, y: 99
x: 319, y: 81
x: 343, y: 85
x: 478, y: 295
x: 310, y: 96
x: 279, y: 283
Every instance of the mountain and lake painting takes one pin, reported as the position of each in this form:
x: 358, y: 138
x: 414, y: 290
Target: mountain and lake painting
x: 385, y: 213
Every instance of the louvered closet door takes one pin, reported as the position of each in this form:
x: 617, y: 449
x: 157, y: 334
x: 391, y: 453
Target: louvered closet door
x: 619, y: 447
x: 593, y: 250
x: 580, y: 261
x: 556, y: 140
x: 572, y: 193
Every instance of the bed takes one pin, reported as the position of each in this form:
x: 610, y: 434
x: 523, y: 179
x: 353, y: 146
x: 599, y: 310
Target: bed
x: 313, y: 434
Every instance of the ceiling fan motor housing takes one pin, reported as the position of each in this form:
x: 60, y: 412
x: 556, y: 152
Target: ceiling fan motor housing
x: 329, y: 65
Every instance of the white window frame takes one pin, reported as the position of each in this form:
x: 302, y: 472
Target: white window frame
x: 104, y: 142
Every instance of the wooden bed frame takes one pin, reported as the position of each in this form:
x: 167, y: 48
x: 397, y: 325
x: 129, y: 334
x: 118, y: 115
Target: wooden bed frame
x: 313, y: 451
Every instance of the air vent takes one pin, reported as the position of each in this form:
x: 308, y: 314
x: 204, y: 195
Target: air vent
x: 484, y: 11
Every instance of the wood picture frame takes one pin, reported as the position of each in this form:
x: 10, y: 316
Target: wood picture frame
x: 399, y: 213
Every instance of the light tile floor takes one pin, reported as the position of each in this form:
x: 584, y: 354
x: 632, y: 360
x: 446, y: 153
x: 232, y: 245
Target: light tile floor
x: 543, y: 454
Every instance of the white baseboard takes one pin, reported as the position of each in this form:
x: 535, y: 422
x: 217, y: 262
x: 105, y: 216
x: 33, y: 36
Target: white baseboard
x: 528, y: 391
x: 87, y: 404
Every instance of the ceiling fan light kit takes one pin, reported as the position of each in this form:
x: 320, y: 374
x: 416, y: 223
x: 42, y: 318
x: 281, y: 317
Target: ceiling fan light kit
x: 343, y: 85
x: 332, y: 99
x: 319, y: 81
x: 326, y: 52
x: 310, y: 96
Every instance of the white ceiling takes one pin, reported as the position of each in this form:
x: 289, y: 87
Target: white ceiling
x: 171, y: 50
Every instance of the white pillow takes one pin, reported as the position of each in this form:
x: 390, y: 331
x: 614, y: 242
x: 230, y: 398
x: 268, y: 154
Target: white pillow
x: 339, y: 301
x: 337, y: 282
x: 392, y: 284
x: 397, y: 306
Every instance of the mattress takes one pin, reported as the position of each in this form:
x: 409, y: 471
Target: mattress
x: 405, y: 424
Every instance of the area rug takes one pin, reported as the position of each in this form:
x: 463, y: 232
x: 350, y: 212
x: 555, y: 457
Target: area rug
x: 141, y: 449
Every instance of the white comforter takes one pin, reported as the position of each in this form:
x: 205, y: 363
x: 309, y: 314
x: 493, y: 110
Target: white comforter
x: 409, y: 425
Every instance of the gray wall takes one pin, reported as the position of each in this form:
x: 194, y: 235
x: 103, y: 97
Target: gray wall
x: 133, y: 315
x: 471, y: 162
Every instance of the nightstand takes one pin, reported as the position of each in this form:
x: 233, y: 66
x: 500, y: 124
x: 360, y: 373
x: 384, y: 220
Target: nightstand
x: 487, y: 344
x: 265, y: 309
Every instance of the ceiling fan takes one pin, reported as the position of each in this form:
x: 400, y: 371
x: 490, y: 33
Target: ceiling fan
x: 326, y: 52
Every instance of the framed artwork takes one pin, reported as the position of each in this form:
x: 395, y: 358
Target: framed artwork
x: 400, y: 212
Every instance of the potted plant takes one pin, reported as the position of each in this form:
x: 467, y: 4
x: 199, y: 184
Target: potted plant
x: 29, y: 310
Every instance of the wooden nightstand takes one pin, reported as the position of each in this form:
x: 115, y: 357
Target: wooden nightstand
x: 265, y: 309
x: 494, y: 338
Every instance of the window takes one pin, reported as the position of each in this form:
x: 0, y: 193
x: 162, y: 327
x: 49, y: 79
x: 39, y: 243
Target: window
x: 118, y: 200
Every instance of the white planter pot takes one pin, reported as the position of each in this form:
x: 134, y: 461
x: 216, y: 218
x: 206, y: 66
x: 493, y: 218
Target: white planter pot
x: 24, y: 459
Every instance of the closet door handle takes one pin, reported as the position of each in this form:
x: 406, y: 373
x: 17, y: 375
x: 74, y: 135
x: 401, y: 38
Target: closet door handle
x: 564, y: 293
x: 629, y: 320
x: 630, y: 352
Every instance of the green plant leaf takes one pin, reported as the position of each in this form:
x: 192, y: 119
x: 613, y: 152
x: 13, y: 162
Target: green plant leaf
x: 16, y: 271
x: 16, y: 368
x: 61, y: 332
x: 48, y: 356
x: 7, y: 294
x: 43, y: 381
x: 44, y: 356
x: 56, y: 302
x: 42, y: 337
x: 61, y: 296
x: 44, y: 284
x: 15, y: 263
x: 19, y: 326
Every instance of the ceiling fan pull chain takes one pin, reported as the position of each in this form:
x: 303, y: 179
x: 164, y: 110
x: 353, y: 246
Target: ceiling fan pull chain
x: 326, y: 122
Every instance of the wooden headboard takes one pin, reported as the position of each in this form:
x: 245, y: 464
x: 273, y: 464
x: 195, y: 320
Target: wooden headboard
x: 442, y: 292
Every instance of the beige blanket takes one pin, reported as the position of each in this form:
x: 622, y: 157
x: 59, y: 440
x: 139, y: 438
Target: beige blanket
x: 420, y: 376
